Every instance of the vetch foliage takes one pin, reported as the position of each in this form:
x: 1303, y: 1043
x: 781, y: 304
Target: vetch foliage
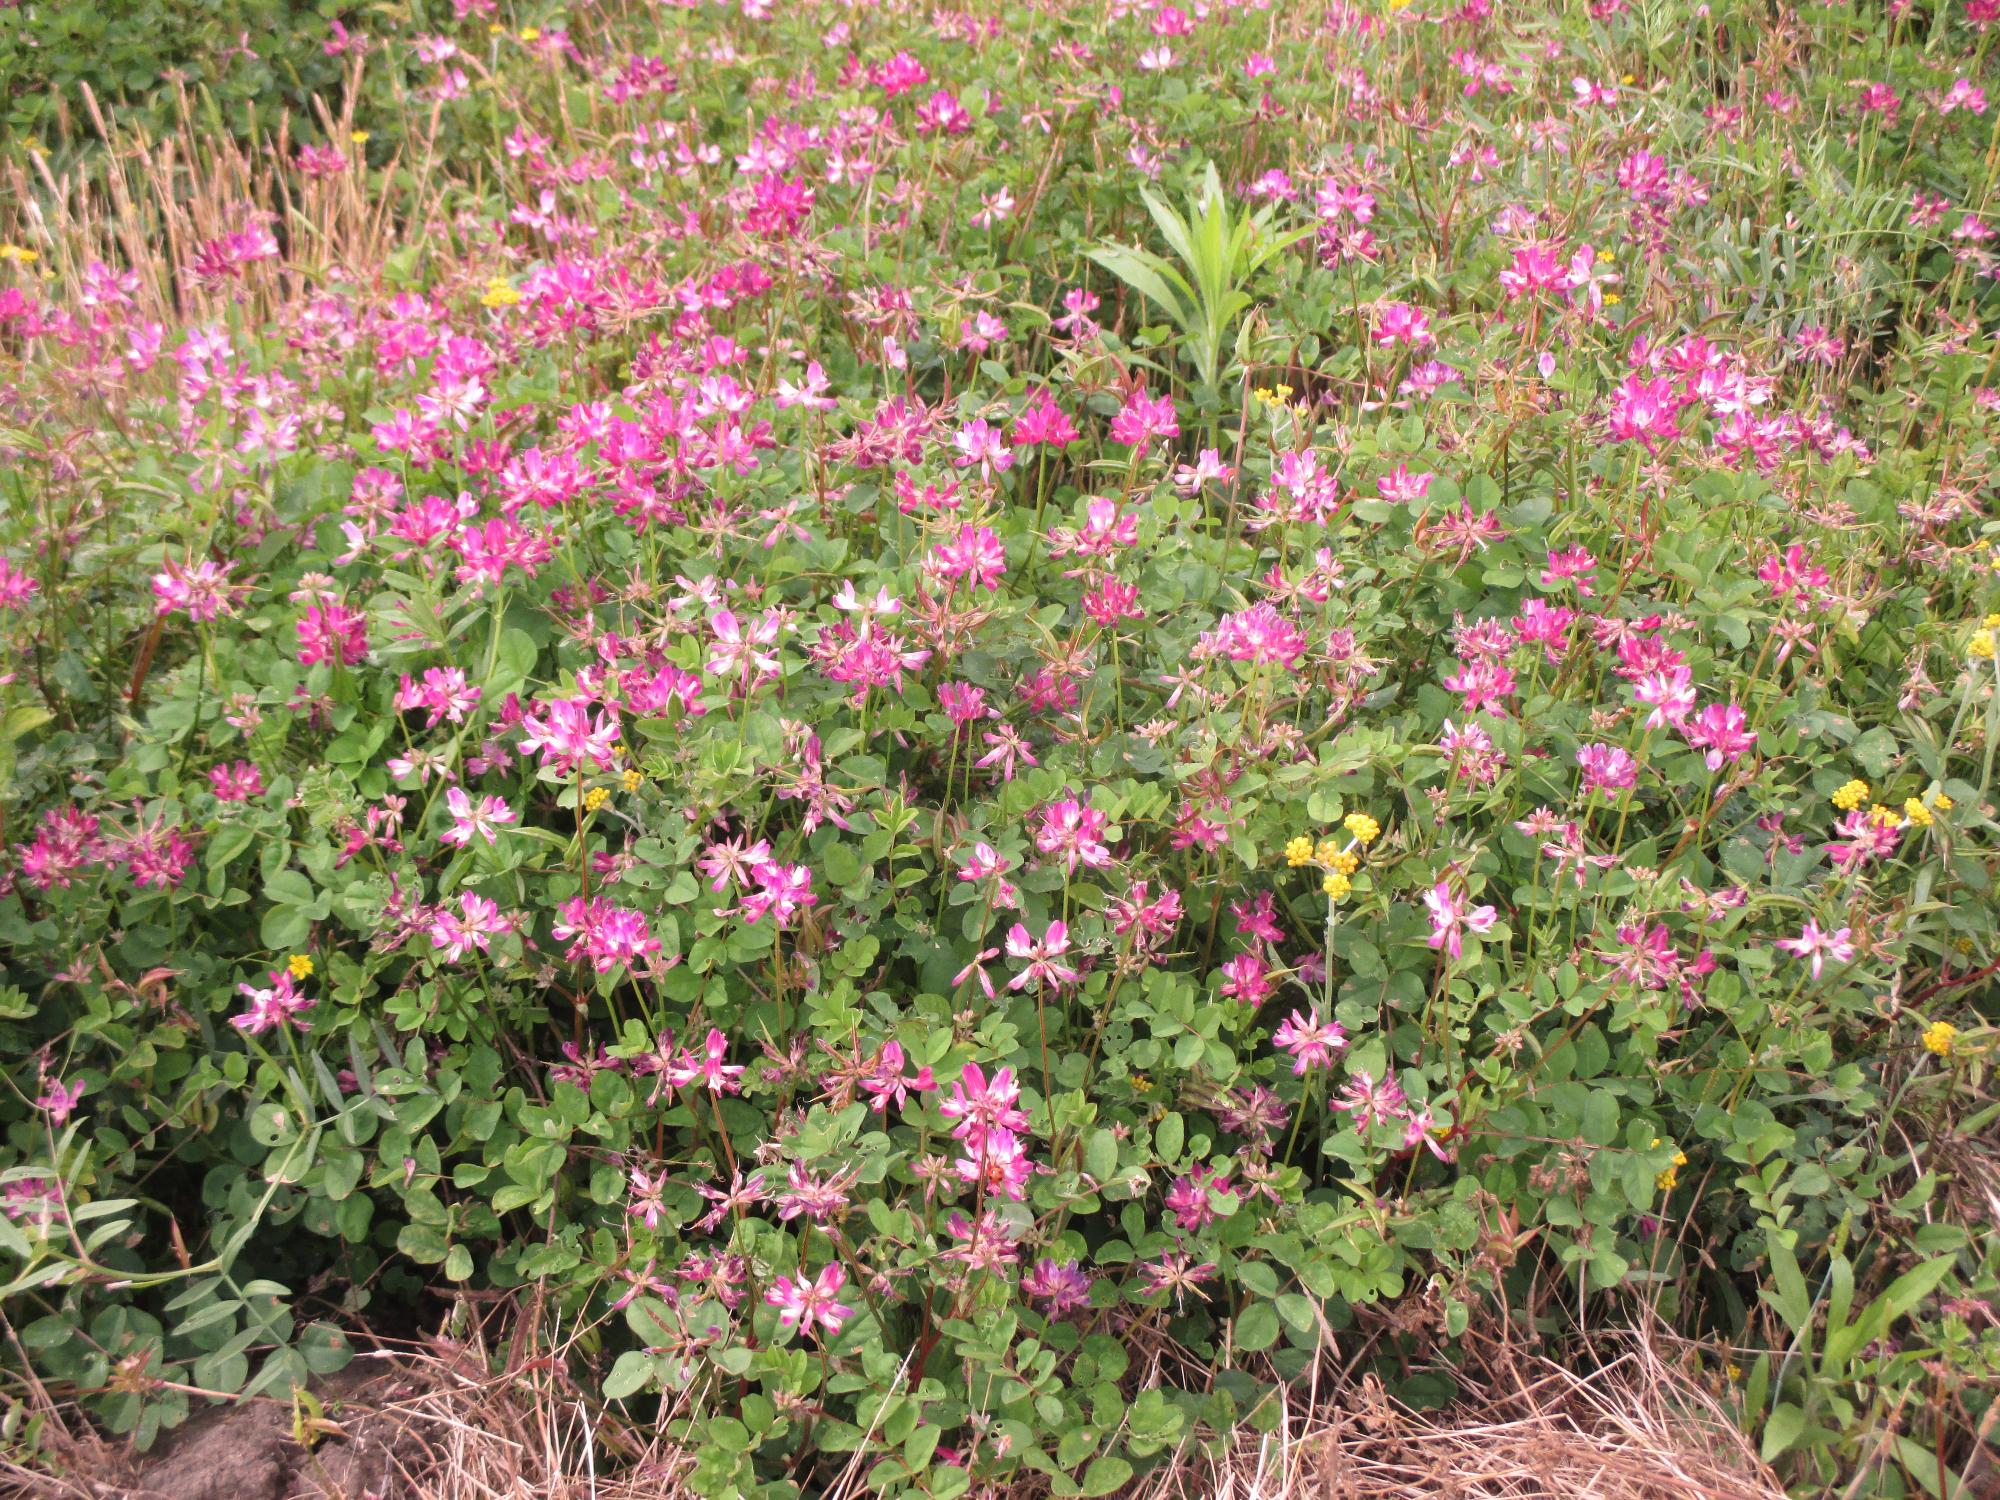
x: 643, y: 684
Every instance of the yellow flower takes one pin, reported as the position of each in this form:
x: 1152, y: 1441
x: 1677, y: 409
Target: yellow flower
x: 359, y: 137
x: 1916, y: 812
x: 300, y: 964
x: 530, y: 33
x: 1942, y: 803
x: 1327, y: 852
x: 499, y: 294
x: 1883, y: 817
x: 595, y: 798
x: 1337, y: 886
x: 1980, y: 646
x: 1346, y: 862
x: 1991, y: 622
x: 494, y: 28
x: 1298, y: 851
x: 633, y: 779
x: 20, y: 254
x: 1666, y: 1180
x: 1851, y: 795
x: 1938, y: 1037
x: 1364, y: 828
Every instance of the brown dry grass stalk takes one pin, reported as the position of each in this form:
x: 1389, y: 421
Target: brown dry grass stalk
x: 443, y: 1425
x: 149, y: 206
x: 1523, y: 1428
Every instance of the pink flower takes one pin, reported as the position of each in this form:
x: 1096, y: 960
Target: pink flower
x: 59, y: 1100
x: 201, y: 592
x: 474, y: 925
x: 981, y: 446
x: 1187, y: 1199
x: 985, y: 863
x: 802, y: 1303
x: 1722, y: 731
x: 1421, y: 1128
x: 977, y: 970
x: 1044, y: 957
x: 1370, y: 1102
x: 887, y: 1083
x: 236, y: 783
x: 1043, y: 422
x: 646, y: 1205
x: 980, y: 1105
x: 1069, y: 835
x: 568, y: 738
x: 1450, y: 918
x: 1606, y: 768
x: 1669, y: 692
x: 1643, y: 411
x: 1311, y: 1041
x: 782, y: 890
x: 1818, y: 946
x: 975, y: 553
x: 742, y: 652
x: 606, y: 935
x: 1143, y: 418
x: 1401, y: 323
x: 471, y: 820
x: 1246, y: 978
x: 332, y: 632
x: 1257, y: 634
x: 1061, y: 1287
x: 998, y: 1164
x: 708, y: 1071
x: 275, y: 1006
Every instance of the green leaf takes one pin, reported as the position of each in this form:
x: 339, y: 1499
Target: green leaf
x: 1105, y: 1474
x: 629, y: 1375
x: 1786, y: 1426
x: 1257, y: 1328
x: 424, y: 1243
x: 1100, y: 1155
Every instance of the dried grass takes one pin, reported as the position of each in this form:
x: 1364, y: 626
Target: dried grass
x: 434, y: 1421
x: 1523, y: 1428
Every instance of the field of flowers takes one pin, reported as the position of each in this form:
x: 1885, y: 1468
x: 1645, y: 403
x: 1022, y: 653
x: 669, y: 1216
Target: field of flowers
x: 962, y: 739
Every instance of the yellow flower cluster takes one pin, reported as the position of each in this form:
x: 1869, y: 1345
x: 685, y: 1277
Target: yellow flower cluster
x: 595, y: 798
x: 1851, y: 795
x: 1980, y: 647
x: 499, y: 294
x: 301, y: 965
x: 632, y: 779
x: 1266, y: 395
x: 20, y: 254
x: 1916, y: 812
x: 1339, y: 863
x: 1938, y: 1037
x: 1665, y: 1180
